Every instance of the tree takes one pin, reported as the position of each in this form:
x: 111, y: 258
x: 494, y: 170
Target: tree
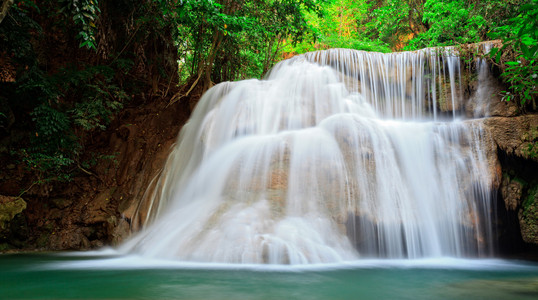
x: 228, y: 40
x: 77, y: 63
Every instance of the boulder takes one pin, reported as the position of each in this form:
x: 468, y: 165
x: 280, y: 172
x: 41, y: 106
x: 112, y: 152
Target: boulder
x: 9, y: 208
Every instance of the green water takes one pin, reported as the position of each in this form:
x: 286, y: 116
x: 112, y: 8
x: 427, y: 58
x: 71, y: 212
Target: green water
x: 53, y: 276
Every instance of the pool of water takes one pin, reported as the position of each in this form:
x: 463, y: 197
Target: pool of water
x: 108, y: 276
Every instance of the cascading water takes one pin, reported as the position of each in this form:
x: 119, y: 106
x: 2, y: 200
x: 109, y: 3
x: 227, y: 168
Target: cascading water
x: 483, y: 93
x: 336, y: 155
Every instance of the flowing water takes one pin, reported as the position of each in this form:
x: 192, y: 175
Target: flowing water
x: 342, y: 175
x: 336, y: 155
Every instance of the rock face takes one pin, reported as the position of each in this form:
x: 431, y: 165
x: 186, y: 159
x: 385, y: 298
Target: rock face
x: 90, y: 211
x: 516, y: 136
x: 511, y: 191
x: 517, y: 142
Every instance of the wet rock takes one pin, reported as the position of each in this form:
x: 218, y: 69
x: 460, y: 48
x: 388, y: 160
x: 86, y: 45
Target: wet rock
x: 97, y: 244
x: 121, y: 231
x: 486, y: 95
x: 516, y: 135
x: 449, y: 98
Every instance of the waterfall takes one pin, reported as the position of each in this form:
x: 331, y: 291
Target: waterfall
x: 483, y: 93
x: 336, y: 155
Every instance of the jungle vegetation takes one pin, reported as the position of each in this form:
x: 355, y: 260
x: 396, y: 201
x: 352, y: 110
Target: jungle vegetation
x: 67, y: 67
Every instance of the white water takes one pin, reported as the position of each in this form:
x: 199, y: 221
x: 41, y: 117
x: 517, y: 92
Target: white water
x: 336, y: 155
x: 113, y: 261
x: 483, y: 94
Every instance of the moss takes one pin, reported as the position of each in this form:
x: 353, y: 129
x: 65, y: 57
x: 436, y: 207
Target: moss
x: 530, y: 200
x: 9, y: 208
x: 511, y: 176
x: 529, y: 215
x: 521, y: 181
x: 530, y: 141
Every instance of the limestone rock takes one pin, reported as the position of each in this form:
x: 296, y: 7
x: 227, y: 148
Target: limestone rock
x: 9, y: 208
x: 516, y: 135
x: 448, y: 100
x: 511, y: 191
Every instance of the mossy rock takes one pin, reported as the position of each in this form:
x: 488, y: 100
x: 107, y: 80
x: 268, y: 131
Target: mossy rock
x: 528, y: 217
x: 9, y: 208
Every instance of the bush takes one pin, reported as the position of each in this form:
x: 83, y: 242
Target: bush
x: 518, y: 56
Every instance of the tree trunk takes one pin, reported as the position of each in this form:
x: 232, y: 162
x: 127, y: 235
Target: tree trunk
x: 217, y: 39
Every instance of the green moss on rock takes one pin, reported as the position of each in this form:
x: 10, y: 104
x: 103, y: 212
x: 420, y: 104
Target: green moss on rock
x: 528, y: 217
x: 9, y: 208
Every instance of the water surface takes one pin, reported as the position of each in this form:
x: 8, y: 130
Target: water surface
x: 76, y: 276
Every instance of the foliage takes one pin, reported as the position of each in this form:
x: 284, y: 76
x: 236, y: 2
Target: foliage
x: 455, y: 22
x: 451, y: 22
x: 390, y: 21
x: 63, y: 105
x: 228, y: 40
x: 72, y: 101
x: 338, y: 24
x: 408, y: 24
x: 84, y: 14
x: 520, y: 52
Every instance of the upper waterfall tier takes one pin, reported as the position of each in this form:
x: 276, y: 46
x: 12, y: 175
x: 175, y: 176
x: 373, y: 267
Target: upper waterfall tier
x: 330, y: 158
x: 424, y: 84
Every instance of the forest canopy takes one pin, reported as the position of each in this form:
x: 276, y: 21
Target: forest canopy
x: 68, y: 67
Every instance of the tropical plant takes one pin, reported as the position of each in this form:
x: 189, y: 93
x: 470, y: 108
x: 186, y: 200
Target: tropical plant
x: 519, y: 54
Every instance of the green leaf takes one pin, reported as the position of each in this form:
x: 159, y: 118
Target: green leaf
x: 526, y: 50
x: 498, y: 56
